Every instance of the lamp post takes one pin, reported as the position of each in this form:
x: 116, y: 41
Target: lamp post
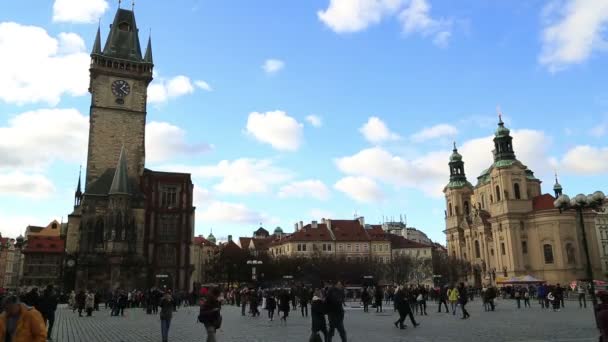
x: 579, y: 203
x: 253, y: 264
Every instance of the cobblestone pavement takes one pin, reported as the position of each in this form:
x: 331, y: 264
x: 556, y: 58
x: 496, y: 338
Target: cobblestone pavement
x: 506, y: 324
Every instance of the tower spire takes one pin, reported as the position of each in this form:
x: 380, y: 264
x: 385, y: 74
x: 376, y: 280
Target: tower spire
x: 503, y: 142
x: 120, y: 182
x: 148, y: 57
x: 78, y: 192
x: 557, y: 188
x: 97, y: 43
x: 457, y: 175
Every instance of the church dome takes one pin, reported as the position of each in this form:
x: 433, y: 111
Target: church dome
x: 278, y: 231
x: 455, y: 156
x: 211, y: 238
x: 557, y: 186
x: 502, y: 131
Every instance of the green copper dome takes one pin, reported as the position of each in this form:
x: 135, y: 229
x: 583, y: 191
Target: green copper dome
x: 557, y: 186
x: 211, y: 238
x: 278, y: 230
x: 501, y: 131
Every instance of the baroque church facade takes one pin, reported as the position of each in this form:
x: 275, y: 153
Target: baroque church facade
x: 505, y: 226
x: 131, y: 227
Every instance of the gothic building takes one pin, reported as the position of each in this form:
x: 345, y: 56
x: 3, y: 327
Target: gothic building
x: 131, y: 227
x: 505, y: 226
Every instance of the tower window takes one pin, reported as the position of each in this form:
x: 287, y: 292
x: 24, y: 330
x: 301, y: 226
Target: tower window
x: 450, y: 209
x: 483, y: 201
x: 502, y: 248
x: 516, y: 191
x: 524, y: 247
x: 497, y: 193
x: 570, y: 257
x: 548, y: 253
x: 168, y: 197
x: 124, y: 26
x: 466, y: 208
x: 477, y: 251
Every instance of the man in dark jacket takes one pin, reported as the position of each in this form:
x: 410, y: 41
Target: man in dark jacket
x: 47, y: 307
x: 317, y: 312
x: 403, y: 307
x: 335, y: 311
x: 80, y: 299
x: 443, y: 298
x: 210, y: 314
x: 378, y: 296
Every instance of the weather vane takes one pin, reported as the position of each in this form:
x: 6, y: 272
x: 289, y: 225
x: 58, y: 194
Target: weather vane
x: 499, y: 113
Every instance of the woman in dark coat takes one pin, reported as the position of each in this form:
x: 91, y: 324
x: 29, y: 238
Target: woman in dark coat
x: 317, y: 312
x: 284, y: 301
x: 271, y: 305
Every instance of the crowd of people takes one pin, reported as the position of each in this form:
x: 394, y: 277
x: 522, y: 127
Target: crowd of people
x: 31, y: 315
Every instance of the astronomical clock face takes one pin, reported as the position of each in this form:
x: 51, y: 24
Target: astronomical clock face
x: 121, y: 88
x: 71, y: 263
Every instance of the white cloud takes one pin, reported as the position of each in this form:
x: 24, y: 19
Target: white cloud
x: 12, y: 225
x: 416, y: 18
x: 227, y: 212
x: 36, y: 138
x: 241, y: 176
x: 307, y: 188
x: 165, y: 141
x: 435, y: 132
x: 314, y: 120
x: 376, y: 131
x: 429, y: 172
x: 161, y: 90
x: 20, y: 184
x: 35, y: 67
x: 276, y: 128
x: 573, y: 31
x: 79, y: 11
x: 203, y: 85
x: 586, y: 160
x: 361, y: 189
x: 344, y: 16
x: 272, y: 65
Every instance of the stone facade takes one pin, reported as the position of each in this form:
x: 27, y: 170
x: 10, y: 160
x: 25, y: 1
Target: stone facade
x: 203, y: 252
x: 131, y: 227
x: 601, y: 225
x: 504, y: 226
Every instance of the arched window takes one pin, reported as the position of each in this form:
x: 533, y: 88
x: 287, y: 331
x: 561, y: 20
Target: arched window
x: 497, y: 193
x: 166, y: 255
x: 450, y: 209
x: 483, y: 201
x: 477, y: 252
x: 570, y: 255
x: 548, y: 252
x: 516, y: 191
x: 466, y: 208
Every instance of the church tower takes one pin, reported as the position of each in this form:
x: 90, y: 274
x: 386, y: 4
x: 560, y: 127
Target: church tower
x: 119, y: 79
x: 458, y: 197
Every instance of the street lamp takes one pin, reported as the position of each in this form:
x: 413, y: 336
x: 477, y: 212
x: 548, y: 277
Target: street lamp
x: 253, y: 264
x: 579, y: 203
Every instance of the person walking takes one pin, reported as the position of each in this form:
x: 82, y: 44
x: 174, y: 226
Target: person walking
x: 403, y: 308
x: 72, y: 301
x: 378, y: 296
x: 582, y: 294
x: 80, y: 301
x: 421, y: 299
x: 365, y: 299
x: 335, y: 311
x: 166, y: 313
x: 48, y: 306
x: 518, y: 298
x: 443, y: 298
x: 453, y: 297
x: 284, y: 307
x: 21, y: 323
x: 271, y: 305
x: 526, y: 298
x: 317, y: 312
x: 304, y: 302
x: 462, y: 301
x: 244, y: 297
x: 89, y: 303
x: 210, y: 314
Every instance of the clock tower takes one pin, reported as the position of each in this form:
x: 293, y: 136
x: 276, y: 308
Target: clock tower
x: 119, y: 79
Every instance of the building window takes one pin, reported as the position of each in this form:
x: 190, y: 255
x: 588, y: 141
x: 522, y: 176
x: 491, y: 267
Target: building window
x: 166, y: 255
x: 450, y: 209
x: 374, y: 248
x: 356, y: 247
x: 299, y: 247
x: 348, y: 248
x: 570, y: 256
x: 516, y: 191
x: 168, y: 228
x: 340, y: 247
x: 329, y: 247
x: 304, y: 248
x: 324, y: 248
x: 548, y: 252
x: 168, y: 197
x: 524, y: 247
x: 483, y: 201
x: 477, y: 251
x: 502, y: 248
x: 466, y: 208
x: 497, y: 193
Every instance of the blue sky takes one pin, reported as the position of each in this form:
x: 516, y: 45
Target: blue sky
x: 325, y: 108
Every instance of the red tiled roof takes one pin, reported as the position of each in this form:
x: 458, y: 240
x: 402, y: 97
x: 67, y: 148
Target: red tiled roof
x: 244, y: 241
x: 543, y: 202
x: 376, y: 233
x: 398, y: 242
x: 349, y: 230
x: 307, y: 233
x: 44, y: 244
x: 199, y: 240
x: 262, y: 244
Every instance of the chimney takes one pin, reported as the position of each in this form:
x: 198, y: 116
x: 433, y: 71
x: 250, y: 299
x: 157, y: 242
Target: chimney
x: 229, y: 238
x: 314, y: 224
x: 301, y: 224
x: 328, y: 223
x: 296, y: 227
x: 323, y: 220
x: 361, y: 220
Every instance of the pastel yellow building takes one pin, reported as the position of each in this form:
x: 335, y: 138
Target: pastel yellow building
x: 505, y: 226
